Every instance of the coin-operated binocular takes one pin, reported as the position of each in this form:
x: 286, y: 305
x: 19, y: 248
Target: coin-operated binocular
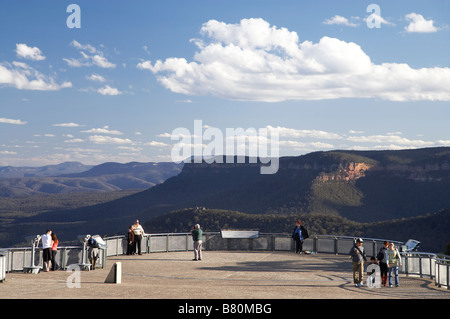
x: 33, y: 241
x: 84, y: 264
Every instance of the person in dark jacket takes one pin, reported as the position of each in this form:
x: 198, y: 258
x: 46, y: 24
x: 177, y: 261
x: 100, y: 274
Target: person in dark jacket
x: 382, y: 262
x: 299, y: 235
x: 130, y: 242
x: 93, y: 251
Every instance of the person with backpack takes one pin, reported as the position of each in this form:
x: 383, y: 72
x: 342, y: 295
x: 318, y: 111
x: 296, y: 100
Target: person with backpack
x: 382, y: 262
x: 299, y: 235
x: 197, y: 233
x: 93, y: 251
x: 358, y: 259
x: 393, y: 262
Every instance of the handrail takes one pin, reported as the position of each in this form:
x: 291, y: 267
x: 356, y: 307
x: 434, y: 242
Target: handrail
x: 415, y: 263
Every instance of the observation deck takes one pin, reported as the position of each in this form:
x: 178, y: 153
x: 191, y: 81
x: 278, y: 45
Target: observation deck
x: 220, y: 275
x: 256, y: 267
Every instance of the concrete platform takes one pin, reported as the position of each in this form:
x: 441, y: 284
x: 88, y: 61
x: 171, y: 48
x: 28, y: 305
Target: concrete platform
x: 220, y: 275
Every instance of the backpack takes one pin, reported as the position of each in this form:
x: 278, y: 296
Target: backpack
x: 380, y: 255
x: 92, y: 242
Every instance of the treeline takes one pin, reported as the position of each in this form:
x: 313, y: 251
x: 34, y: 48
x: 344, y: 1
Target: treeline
x: 36, y: 204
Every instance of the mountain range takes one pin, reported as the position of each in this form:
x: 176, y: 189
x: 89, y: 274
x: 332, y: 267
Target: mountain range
x: 364, y: 187
x: 72, y: 177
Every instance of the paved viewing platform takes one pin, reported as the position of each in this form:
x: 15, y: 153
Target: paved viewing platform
x: 220, y: 275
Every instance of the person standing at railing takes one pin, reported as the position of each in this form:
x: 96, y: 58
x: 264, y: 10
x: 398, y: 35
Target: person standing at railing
x: 358, y: 258
x: 197, y: 238
x: 130, y: 241
x: 299, y: 235
x: 46, y: 249
x: 393, y: 262
x: 138, y: 234
x: 55, y: 243
x: 93, y: 252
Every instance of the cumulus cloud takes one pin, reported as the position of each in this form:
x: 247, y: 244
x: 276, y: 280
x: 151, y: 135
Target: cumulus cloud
x: 12, y: 121
x: 378, y: 20
x: 23, y: 77
x: 255, y: 61
x: 96, y: 78
x: 101, y: 139
x: 26, y: 52
x: 418, y: 24
x: 296, y: 133
x: 103, y: 130
x: 340, y: 20
x: 107, y: 90
x: 68, y: 125
x: 157, y: 144
x: 391, y: 139
x: 89, y: 56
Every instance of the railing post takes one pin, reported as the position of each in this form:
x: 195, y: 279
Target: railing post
x: 448, y: 279
x: 315, y: 245
x: 406, y: 264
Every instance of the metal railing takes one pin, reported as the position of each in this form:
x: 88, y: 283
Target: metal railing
x: 413, y: 263
x: 17, y: 259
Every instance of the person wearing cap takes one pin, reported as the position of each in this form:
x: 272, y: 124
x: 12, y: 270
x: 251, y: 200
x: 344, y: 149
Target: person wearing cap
x: 299, y: 235
x: 197, y: 238
x: 358, y: 258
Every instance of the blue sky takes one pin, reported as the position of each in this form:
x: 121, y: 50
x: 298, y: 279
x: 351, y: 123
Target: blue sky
x: 116, y: 88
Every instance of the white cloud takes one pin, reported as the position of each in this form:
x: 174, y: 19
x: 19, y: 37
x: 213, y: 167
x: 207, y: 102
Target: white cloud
x: 102, y: 62
x: 418, y: 24
x: 378, y: 20
x: 390, y: 139
x: 83, y: 47
x: 107, y: 90
x: 340, y: 20
x: 104, y: 130
x: 96, y: 77
x: 101, y: 139
x: 68, y: 125
x: 255, y: 61
x: 95, y: 57
x: 11, y: 121
x: 23, y: 77
x: 297, y: 145
x: 157, y: 144
x: 296, y: 133
x: 74, y: 140
x: 26, y: 52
